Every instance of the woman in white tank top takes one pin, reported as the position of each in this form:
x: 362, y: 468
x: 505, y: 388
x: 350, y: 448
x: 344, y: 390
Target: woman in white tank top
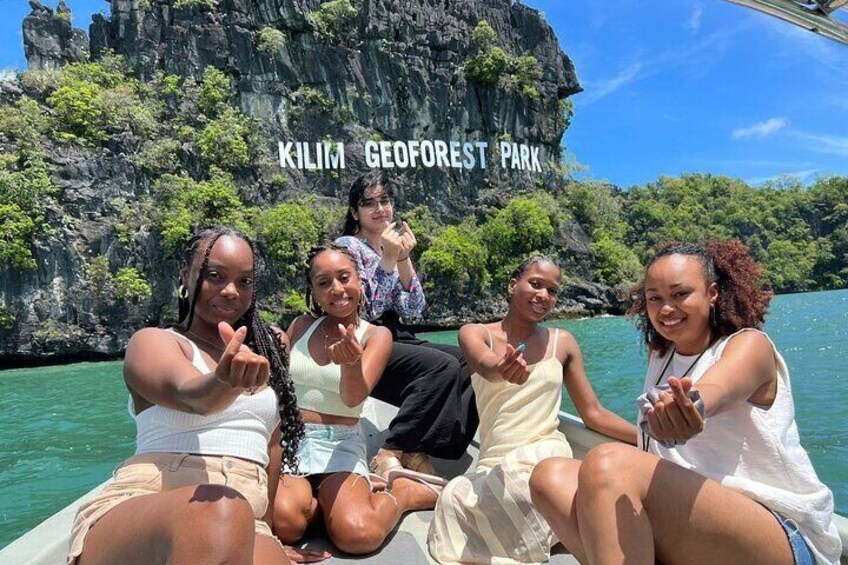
x: 208, y: 400
x: 337, y: 359
x: 720, y: 475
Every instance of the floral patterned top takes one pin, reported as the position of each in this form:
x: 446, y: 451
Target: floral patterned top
x: 383, y: 290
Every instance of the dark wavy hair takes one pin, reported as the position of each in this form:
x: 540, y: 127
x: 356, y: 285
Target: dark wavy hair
x: 357, y: 193
x: 742, y: 300
x: 314, y: 252
x: 260, y: 337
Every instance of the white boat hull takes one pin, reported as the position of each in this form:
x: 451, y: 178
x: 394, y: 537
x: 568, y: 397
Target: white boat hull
x: 47, y: 543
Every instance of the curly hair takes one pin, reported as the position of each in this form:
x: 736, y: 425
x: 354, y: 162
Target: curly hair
x: 742, y: 301
x: 260, y: 338
x: 314, y: 309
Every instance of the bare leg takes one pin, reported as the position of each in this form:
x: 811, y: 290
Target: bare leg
x: 197, y: 525
x: 268, y: 552
x: 295, y: 509
x: 359, y: 520
x: 633, y: 506
x: 553, y: 489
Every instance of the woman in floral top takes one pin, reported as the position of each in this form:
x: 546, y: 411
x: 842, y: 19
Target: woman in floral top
x: 428, y: 382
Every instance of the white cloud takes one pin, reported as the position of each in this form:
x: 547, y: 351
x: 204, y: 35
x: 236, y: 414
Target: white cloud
x: 803, y: 177
x: 597, y: 90
x: 760, y: 130
x: 824, y: 143
x: 694, y: 21
x: 662, y: 62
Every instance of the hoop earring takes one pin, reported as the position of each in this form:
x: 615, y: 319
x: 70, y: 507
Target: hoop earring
x: 182, y: 292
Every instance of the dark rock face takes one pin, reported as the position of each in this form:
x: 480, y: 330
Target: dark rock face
x: 394, y: 72
x: 49, y: 39
x: 397, y: 72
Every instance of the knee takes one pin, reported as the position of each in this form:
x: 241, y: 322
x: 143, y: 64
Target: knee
x: 291, y: 517
x: 356, y: 535
x: 549, y: 478
x: 224, y: 516
x: 605, y: 467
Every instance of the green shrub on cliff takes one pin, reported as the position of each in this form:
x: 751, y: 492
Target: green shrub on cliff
x: 215, y: 92
x: 493, y: 65
x: 289, y: 230
x: 98, y: 276
x: 457, y: 257
x: 24, y: 122
x: 224, y: 142
x: 271, y: 40
x: 130, y: 285
x: 211, y: 5
x: 17, y: 232
x: 185, y: 204
x: 333, y: 19
x: 7, y: 318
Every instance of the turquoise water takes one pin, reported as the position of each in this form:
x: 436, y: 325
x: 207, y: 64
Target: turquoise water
x: 63, y: 429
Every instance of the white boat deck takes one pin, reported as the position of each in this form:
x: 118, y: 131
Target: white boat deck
x: 47, y: 543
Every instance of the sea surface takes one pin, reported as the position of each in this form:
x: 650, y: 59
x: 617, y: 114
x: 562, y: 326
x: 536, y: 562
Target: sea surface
x: 63, y: 429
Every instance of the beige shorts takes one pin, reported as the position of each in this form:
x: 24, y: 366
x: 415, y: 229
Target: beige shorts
x: 159, y: 472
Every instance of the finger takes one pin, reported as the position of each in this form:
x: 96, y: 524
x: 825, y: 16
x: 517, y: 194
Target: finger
x: 679, y: 425
x: 664, y: 420
x: 238, y: 366
x: 226, y: 332
x: 235, y: 339
x: 654, y: 425
x: 680, y: 396
x: 334, y: 353
x: 342, y: 332
x: 250, y: 378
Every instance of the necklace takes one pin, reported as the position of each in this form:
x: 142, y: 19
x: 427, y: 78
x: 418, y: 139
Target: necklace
x: 250, y: 390
x: 200, y: 338
x: 646, y: 439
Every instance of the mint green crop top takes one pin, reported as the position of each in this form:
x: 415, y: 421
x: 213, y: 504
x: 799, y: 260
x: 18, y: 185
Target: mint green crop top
x: 318, y: 386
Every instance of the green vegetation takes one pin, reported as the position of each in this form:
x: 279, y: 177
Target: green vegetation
x: 457, y: 257
x: 333, y: 20
x: 493, y: 65
x: 290, y: 230
x: 224, y: 142
x: 215, y: 92
x: 17, y: 231
x: 271, y: 40
x: 7, y: 318
x: 130, y: 285
x: 210, y: 5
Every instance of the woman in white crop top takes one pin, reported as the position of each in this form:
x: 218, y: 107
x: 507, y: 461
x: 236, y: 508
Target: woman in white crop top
x: 208, y: 400
x: 720, y: 475
x: 336, y: 361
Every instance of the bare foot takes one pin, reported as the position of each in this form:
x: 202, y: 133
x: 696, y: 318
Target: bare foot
x: 414, y: 495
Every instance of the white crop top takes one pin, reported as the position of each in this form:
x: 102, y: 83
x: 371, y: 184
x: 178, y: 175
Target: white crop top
x: 318, y: 386
x: 242, y: 429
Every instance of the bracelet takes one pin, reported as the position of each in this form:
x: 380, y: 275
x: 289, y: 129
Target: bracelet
x: 399, y: 259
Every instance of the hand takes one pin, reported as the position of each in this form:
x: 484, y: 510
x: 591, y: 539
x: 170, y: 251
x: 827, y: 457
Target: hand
x: 674, y: 416
x: 513, y: 367
x: 407, y: 241
x: 391, y: 242
x: 347, y: 350
x: 297, y: 555
x: 239, y: 367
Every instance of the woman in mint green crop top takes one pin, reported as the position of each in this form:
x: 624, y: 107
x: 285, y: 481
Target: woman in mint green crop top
x: 336, y: 361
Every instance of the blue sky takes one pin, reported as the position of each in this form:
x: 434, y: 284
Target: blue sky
x: 670, y: 87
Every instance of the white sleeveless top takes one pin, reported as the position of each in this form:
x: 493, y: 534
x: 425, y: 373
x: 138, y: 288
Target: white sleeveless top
x: 318, y: 387
x: 242, y: 429
x: 754, y: 450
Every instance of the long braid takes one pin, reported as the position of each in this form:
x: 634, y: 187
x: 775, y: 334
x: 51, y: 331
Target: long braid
x: 260, y: 338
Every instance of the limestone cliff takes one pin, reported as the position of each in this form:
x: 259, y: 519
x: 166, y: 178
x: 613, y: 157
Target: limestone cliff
x: 393, y: 71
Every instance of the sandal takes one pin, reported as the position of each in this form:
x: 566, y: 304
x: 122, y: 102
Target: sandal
x: 416, y: 466
x: 407, y: 474
x: 382, y: 463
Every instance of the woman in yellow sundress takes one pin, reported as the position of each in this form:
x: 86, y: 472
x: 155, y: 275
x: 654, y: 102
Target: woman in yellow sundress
x: 487, y: 515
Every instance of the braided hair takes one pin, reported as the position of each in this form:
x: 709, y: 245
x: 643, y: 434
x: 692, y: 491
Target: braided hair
x: 527, y: 263
x: 260, y: 338
x: 742, y: 301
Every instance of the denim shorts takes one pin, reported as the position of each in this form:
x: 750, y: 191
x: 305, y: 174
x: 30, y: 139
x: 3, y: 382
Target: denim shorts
x: 332, y: 448
x: 800, y: 550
